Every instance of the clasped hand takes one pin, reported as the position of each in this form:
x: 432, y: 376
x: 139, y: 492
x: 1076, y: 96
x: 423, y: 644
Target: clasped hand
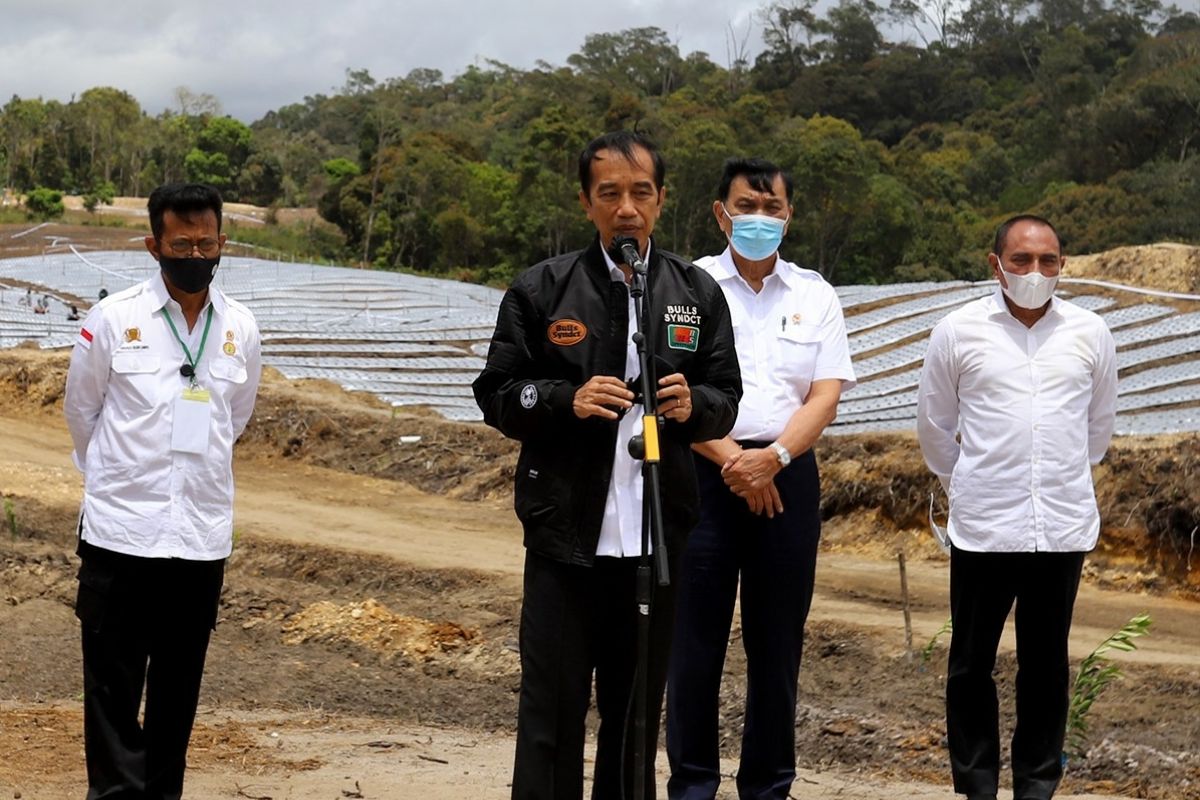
x: 603, y: 394
x: 750, y: 474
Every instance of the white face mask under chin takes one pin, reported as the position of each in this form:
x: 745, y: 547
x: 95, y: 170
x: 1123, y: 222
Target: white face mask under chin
x: 1031, y: 291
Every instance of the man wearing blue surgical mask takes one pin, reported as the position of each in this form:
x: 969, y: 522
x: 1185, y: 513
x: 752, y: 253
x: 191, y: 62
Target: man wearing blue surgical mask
x: 760, y: 497
x: 1017, y: 401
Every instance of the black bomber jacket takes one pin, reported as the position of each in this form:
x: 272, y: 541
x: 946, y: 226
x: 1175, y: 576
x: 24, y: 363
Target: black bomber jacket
x: 564, y: 321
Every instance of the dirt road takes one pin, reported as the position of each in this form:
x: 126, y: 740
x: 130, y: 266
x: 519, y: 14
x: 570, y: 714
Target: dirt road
x: 259, y: 752
x: 308, y: 505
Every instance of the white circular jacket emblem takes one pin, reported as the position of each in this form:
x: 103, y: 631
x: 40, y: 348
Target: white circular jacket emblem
x: 529, y: 396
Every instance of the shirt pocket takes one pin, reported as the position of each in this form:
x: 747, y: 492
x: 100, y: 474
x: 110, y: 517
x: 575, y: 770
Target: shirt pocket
x: 226, y: 377
x: 137, y: 375
x: 797, y: 347
x: 228, y: 370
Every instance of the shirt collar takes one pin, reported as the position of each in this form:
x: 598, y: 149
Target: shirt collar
x: 158, y: 288
x: 726, y: 270
x: 999, y: 307
x: 614, y: 271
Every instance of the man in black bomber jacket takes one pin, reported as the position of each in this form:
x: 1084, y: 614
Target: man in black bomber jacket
x: 558, y: 379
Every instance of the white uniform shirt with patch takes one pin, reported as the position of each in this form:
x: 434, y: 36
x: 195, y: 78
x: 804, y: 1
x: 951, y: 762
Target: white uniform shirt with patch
x: 788, y: 335
x: 621, y: 528
x: 1034, y: 408
x: 140, y: 498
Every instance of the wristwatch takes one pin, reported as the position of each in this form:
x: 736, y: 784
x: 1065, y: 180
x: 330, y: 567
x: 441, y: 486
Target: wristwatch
x: 781, y: 453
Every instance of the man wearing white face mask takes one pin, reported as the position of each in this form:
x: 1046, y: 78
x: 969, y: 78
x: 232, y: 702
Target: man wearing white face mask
x: 1016, y: 403
x: 760, y: 497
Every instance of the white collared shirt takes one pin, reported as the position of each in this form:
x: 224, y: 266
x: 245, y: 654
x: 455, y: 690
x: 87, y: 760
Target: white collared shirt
x: 621, y: 528
x: 140, y: 497
x: 1034, y: 409
x: 788, y: 335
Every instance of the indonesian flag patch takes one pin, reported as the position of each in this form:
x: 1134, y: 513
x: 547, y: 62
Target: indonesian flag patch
x: 85, y: 338
x: 683, y: 337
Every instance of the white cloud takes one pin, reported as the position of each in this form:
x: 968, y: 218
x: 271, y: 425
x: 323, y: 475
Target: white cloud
x: 256, y: 56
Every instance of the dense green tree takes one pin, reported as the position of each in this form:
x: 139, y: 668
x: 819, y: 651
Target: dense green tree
x: 101, y: 194
x: 44, y: 204
x: 912, y: 127
x: 832, y: 166
x: 641, y: 59
x: 1095, y: 218
x: 853, y: 36
x: 22, y: 125
x: 696, y: 154
x: 105, y: 119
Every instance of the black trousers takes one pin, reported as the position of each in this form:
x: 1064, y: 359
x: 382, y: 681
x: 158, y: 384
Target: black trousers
x: 576, y: 621
x: 145, y: 624
x: 983, y: 588
x: 776, y: 561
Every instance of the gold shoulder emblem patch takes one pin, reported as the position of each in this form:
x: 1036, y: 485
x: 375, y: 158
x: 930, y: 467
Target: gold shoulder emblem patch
x: 133, y: 334
x: 566, y: 332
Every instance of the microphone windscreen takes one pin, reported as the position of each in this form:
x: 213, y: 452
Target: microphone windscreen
x: 618, y: 242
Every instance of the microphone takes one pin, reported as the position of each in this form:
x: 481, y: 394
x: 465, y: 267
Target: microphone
x: 624, y: 248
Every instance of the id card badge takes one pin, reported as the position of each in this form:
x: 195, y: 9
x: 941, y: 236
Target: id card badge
x: 193, y: 418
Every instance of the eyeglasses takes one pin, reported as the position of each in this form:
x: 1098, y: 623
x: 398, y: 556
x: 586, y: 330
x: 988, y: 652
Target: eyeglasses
x: 181, y: 248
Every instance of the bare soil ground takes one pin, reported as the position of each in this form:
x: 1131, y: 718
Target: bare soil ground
x: 123, y: 225
x: 1166, y: 266
x: 367, y: 644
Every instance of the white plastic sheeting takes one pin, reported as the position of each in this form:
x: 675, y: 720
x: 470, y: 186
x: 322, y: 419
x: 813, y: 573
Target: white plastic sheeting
x: 414, y: 340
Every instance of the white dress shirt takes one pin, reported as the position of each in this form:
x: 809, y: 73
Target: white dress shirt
x: 788, y: 335
x: 621, y: 528
x: 1033, y: 409
x: 142, y: 498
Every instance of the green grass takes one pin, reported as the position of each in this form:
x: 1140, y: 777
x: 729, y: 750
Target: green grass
x: 1096, y: 674
x: 927, y: 650
x: 309, y: 242
x: 11, y: 516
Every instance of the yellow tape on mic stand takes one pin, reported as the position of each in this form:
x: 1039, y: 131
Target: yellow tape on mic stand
x: 650, y: 437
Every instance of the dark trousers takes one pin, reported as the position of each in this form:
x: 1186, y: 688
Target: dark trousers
x: 145, y: 623
x: 576, y: 621
x: 983, y: 588
x: 776, y: 560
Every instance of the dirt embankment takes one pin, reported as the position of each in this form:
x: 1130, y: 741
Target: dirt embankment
x: 1167, y: 266
x: 337, y: 635
x: 877, y: 484
x: 377, y: 629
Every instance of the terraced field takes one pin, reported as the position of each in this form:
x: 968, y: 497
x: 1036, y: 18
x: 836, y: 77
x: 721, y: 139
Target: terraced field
x: 417, y: 341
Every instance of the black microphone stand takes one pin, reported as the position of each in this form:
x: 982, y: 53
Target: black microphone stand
x: 645, y: 448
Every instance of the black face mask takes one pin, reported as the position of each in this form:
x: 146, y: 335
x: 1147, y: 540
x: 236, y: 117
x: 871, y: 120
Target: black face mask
x: 190, y: 275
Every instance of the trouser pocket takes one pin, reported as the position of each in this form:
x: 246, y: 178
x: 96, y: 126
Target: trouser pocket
x: 95, y: 594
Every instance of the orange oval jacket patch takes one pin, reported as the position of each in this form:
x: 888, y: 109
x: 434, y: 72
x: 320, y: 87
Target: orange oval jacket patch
x: 566, y: 332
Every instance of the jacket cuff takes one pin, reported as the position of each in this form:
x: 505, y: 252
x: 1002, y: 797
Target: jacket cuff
x: 562, y: 399
x: 701, y: 408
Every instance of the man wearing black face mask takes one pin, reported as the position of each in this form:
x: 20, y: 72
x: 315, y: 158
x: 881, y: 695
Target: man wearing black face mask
x: 162, y: 382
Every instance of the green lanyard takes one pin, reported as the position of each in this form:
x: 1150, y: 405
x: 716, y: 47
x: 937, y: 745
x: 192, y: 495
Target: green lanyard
x: 203, y: 341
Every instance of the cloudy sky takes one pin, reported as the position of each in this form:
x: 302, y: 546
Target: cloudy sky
x: 257, y: 55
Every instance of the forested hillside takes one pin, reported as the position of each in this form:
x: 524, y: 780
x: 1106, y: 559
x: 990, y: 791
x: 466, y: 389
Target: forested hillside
x: 911, y: 130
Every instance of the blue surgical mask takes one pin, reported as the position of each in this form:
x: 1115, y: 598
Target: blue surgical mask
x: 755, y: 236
